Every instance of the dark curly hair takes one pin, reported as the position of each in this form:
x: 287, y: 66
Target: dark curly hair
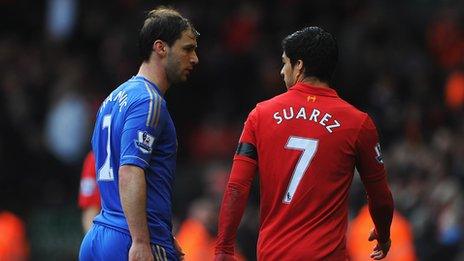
x: 316, y: 48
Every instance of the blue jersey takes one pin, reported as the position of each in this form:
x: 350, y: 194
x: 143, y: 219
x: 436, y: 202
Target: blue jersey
x: 133, y: 127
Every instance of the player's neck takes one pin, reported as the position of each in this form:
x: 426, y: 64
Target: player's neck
x: 154, y: 74
x: 314, y: 82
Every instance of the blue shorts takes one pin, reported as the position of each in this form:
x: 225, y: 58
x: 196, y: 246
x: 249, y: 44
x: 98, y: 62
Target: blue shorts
x: 104, y: 243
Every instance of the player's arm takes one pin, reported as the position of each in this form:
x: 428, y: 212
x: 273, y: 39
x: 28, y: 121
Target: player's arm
x: 142, y: 126
x: 133, y: 194
x: 373, y: 175
x: 236, y: 194
x: 233, y: 205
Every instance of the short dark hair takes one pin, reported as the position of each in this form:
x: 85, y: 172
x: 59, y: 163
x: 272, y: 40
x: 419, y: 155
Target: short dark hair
x: 163, y: 23
x: 316, y: 48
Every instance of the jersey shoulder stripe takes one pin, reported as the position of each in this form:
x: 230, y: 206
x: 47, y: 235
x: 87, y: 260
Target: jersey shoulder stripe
x: 157, y: 106
x: 154, y: 109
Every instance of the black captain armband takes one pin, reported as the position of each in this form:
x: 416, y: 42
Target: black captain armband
x: 247, y: 150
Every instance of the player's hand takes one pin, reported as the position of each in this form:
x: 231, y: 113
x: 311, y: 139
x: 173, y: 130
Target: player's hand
x: 381, y: 249
x: 224, y: 257
x: 140, y: 251
x: 179, y: 249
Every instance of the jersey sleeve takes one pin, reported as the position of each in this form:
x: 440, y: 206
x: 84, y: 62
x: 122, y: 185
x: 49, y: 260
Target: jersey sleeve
x: 247, y: 147
x: 373, y: 175
x: 369, y: 161
x: 88, y: 192
x: 238, y: 187
x: 142, y: 127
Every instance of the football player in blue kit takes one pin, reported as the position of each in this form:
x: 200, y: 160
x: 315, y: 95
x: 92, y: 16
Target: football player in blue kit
x: 135, y: 147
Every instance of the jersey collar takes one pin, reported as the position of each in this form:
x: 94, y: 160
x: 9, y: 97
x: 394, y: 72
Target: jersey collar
x: 304, y: 87
x: 152, y: 84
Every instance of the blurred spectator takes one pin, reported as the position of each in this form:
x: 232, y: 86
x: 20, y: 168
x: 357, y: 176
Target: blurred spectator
x: 68, y: 120
x: 215, y: 179
x: 213, y: 140
x: 241, y: 28
x: 402, y: 238
x: 13, y: 241
x: 66, y: 128
x: 446, y: 38
x: 61, y: 18
x: 454, y: 90
x: 196, y: 234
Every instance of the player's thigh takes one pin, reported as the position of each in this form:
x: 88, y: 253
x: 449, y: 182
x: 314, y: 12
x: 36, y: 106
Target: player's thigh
x: 102, y: 243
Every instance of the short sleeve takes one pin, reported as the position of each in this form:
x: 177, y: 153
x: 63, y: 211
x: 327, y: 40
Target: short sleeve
x: 142, y: 126
x: 369, y: 161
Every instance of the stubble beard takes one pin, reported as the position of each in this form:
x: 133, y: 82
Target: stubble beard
x: 173, y: 72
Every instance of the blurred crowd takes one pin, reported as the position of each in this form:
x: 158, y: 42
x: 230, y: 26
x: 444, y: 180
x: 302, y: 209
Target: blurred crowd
x: 400, y: 61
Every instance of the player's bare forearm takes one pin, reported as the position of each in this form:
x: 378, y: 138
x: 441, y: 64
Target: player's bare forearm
x: 233, y: 205
x: 132, y: 190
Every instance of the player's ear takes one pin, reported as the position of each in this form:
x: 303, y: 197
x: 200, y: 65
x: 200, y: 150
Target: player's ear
x: 160, y: 48
x: 299, y: 66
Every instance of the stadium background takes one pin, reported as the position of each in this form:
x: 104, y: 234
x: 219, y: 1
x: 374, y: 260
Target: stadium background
x: 400, y: 61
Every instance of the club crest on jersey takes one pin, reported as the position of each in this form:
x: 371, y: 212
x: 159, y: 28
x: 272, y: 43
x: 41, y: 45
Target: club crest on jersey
x: 311, y: 98
x: 378, y: 153
x: 144, y: 142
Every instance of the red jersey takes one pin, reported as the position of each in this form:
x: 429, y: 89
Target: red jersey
x: 308, y: 143
x: 88, y: 192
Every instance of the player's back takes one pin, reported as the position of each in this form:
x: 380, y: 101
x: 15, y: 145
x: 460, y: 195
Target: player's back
x: 306, y: 154
x: 106, y: 140
x: 133, y: 127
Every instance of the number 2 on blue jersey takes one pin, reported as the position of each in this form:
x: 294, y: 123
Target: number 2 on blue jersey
x: 105, y: 173
x: 309, y: 148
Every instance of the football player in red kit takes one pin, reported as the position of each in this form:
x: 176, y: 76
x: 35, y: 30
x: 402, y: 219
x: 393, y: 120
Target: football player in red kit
x: 305, y: 144
x: 89, y: 196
